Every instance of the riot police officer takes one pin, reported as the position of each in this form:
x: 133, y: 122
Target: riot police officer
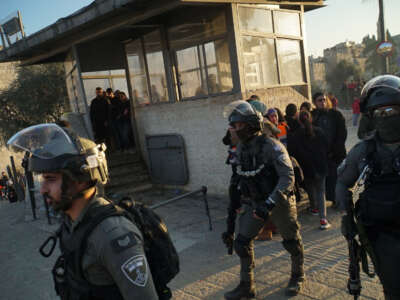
x: 112, y: 264
x: 378, y: 157
x: 266, y: 185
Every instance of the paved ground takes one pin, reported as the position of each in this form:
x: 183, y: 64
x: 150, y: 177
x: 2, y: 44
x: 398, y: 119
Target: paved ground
x: 206, y: 270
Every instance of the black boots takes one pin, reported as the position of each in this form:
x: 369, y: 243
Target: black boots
x: 296, y: 281
x: 245, y: 290
x: 297, y: 277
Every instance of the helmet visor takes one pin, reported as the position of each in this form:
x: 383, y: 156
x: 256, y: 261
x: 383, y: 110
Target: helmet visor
x: 45, y: 141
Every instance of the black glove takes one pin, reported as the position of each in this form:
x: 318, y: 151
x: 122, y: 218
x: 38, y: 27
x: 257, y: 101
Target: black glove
x: 263, y: 209
x: 348, y: 227
x: 228, y: 239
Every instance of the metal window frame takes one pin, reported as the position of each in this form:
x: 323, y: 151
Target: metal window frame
x: 275, y: 36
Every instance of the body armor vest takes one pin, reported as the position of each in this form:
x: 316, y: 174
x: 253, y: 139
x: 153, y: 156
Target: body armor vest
x: 380, y: 200
x: 258, y: 177
x: 69, y: 279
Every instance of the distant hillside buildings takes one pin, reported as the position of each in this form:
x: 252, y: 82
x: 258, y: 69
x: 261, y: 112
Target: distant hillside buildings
x: 347, y: 51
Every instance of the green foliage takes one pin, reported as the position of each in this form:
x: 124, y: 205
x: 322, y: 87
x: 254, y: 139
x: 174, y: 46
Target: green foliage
x: 37, y: 95
x: 374, y: 63
x: 341, y: 73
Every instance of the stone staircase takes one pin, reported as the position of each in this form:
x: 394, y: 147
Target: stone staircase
x: 128, y: 174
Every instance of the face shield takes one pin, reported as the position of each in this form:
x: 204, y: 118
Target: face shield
x: 238, y: 111
x: 44, y: 141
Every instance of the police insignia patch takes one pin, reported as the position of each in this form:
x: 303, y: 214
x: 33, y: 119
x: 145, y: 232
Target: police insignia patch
x: 124, y: 242
x: 136, y: 270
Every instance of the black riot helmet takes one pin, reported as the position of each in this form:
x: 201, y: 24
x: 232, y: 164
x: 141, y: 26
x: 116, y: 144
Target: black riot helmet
x: 380, y: 91
x: 56, y: 149
x: 242, y: 111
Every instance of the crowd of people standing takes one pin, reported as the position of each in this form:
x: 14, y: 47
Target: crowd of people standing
x: 110, y: 114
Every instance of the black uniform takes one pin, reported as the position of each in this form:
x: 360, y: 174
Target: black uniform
x: 378, y: 206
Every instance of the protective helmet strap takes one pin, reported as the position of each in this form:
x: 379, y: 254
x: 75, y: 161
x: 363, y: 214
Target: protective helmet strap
x: 66, y: 199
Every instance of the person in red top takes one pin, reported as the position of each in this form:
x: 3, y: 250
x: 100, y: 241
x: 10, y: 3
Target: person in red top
x: 356, y: 110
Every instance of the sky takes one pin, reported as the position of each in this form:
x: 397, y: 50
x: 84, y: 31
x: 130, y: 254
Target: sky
x: 339, y: 21
x: 351, y: 20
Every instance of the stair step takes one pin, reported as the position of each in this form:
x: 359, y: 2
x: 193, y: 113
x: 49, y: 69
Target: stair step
x: 127, y: 187
x: 127, y: 170
x: 131, y: 191
x: 122, y: 159
x: 128, y: 180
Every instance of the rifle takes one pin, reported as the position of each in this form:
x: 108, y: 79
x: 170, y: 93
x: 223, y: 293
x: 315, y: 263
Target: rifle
x: 358, y: 248
x: 229, y: 236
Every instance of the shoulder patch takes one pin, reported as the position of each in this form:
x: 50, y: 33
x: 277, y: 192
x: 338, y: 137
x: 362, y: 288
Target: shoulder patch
x: 123, y: 242
x: 136, y: 270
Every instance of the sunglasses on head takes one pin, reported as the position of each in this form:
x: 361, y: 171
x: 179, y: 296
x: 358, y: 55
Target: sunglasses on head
x: 387, y: 111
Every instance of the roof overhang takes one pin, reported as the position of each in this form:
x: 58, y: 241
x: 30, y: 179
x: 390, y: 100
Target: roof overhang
x: 103, y: 17
x: 93, y: 21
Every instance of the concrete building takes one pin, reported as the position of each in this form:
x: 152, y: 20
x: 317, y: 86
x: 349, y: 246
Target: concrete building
x: 183, y: 61
x: 347, y: 51
x: 317, y: 71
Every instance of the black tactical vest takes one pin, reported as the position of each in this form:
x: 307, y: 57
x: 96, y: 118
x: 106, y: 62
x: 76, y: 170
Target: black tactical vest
x: 380, y: 200
x: 69, y: 279
x: 258, y: 177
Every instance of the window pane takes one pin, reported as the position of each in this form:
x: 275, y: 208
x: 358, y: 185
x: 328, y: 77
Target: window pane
x: 120, y: 84
x: 137, y: 73
x: 199, y: 27
x: 189, y: 72
x: 253, y: 19
x: 155, y: 64
x: 218, y: 67
x: 259, y: 62
x: 90, y: 86
x: 290, y: 62
x: 287, y: 23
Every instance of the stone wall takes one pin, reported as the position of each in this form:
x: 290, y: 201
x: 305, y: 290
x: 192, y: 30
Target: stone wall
x: 8, y: 72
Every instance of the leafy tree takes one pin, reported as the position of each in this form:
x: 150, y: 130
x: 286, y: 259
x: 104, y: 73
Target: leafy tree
x: 37, y: 95
x: 374, y: 60
x: 336, y: 78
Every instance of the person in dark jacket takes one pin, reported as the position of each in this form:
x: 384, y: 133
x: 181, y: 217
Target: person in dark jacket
x: 292, y: 117
x: 124, y: 121
x: 309, y: 146
x: 99, y: 116
x: 333, y: 125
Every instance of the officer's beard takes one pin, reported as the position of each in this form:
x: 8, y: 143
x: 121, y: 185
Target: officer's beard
x: 388, y: 129
x: 64, y: 204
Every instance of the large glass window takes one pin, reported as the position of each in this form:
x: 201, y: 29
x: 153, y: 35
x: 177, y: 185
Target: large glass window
x: 190, y: 73
x: 137, y: 72
x: 252, y: 19
x: 202, y: 56
x: 271, y: 47
x: 287, y: 23
x: 115, y: 79
x: 259, y: 62
x: 290, y: 61
x: 156, y: 67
